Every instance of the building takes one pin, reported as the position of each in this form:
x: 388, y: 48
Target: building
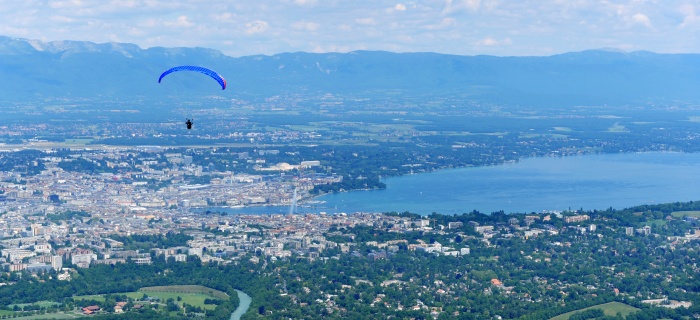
x: 37, y: 268
x: 454, y: 225
x: 483, y: 229
x: 576, y: 218
x: 313, y: 163
x: 83, y: 260
x: 56, y: 262
x: 645, y: 230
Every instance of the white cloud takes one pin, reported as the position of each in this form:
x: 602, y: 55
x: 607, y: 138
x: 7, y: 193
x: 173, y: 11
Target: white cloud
x: 257, y: 26
x: 640, y: 18
x: 306, y: 26
x: 344, y: 27
x: 689, y: 16
x: 443, y: 24
x: 488, y: 42
x: 223, y: 17
x: 62, y: 19
x: 180, y: 22
x: 448, y: 26
x: 365, y: 21
x: 64, y: 4
x: 452, y: 6
x: 305, y: 2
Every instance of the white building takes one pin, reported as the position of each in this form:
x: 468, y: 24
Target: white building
x: 83, y: 260
x: 57, y: 262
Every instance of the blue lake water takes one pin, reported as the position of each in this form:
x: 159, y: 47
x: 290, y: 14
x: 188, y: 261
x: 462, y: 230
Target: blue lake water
x: 531, y: 185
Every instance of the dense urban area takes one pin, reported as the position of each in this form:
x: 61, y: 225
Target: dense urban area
x: 118, y: 219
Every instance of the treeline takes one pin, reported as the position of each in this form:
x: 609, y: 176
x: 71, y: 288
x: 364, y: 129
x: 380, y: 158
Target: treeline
x: 148, y: 241
x: 87, y: 166
x: 24, y: 162
x: 67, y: 216
x: 348, y: 184
x: 126, y: 277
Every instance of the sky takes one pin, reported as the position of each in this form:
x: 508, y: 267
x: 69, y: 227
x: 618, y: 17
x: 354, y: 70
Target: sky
x: 462, y: 27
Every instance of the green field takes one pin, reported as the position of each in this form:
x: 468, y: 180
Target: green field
x: 44, y: 304
x: 68, y: 315
x: 190, y: 294
x: 656, y: 223
x: 192, y: 289
x: 610, y: 309
x: 618, y: 128
x: 78, y: 141
x: 96, y: 297
x: 681, y: 214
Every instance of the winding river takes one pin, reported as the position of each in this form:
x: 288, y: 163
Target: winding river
x: 242, y: 307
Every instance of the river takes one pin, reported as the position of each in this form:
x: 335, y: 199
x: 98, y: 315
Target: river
x: 530, y: 185
x: 242, y: 306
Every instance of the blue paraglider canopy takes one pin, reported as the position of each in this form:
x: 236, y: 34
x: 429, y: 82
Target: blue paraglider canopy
x: 203, y: 70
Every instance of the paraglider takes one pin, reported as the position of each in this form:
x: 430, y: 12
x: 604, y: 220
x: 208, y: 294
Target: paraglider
x: 202, y: 70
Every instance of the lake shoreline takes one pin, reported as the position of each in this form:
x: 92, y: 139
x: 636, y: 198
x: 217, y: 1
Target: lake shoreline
x: 535, y: 184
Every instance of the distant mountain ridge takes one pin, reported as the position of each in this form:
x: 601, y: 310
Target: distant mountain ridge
x: 32, y: 69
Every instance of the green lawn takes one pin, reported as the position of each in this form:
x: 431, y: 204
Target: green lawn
x: 52, y: 316
x: 681, y: 214
x: 190, y: 294
x: 56, y: 315
x: 610, y: 309
x: 618, y: 128
x: 188, y: 289
x: 78, y: 141
x: 96, y: 297
x: 44, y: 304
x: 656, y: 223
x: 195, y: 299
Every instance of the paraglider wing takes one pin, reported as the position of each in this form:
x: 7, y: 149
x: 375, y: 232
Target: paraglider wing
x: 203, y: 70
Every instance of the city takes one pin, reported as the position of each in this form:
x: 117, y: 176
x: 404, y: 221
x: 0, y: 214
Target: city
x: 56, y: 223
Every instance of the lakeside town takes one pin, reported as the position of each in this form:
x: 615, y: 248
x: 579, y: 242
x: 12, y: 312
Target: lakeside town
x: 71, y: 207
x: 57, y: 221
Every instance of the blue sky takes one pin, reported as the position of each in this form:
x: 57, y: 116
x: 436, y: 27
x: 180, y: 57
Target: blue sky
x: 463, y: 27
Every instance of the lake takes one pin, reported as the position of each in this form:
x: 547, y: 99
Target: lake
x: 530, y: 185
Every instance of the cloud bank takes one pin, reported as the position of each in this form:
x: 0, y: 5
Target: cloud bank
x: 465, y: 27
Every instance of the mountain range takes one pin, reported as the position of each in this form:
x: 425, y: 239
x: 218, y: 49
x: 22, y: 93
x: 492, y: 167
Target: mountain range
x: 32, y: 69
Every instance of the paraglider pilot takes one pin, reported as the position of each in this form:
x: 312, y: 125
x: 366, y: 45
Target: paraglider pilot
x: 189, y: 124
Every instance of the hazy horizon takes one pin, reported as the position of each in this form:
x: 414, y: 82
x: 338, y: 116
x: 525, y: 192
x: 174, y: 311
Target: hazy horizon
x: 461, y: 27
